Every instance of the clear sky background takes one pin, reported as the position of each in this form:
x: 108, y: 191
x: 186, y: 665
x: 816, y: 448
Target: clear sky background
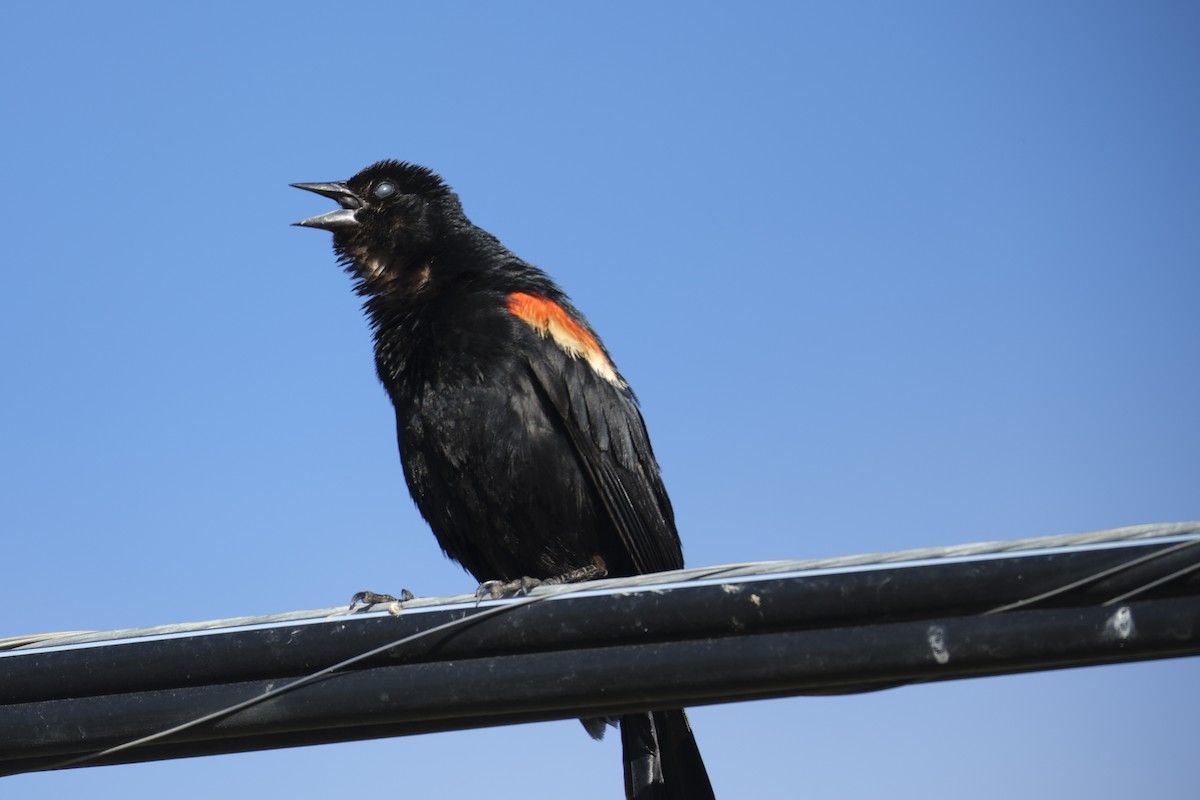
x: 884, y: 275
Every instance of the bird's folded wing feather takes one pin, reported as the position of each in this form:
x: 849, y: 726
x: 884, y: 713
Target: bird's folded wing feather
x: 610, y: 439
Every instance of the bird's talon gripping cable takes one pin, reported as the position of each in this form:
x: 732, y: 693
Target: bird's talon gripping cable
x: 369, y: 598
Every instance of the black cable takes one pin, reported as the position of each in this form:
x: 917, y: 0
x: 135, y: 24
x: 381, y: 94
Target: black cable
x: 296, y: 684
x: 1179, y: 573
x: 1104, y: 574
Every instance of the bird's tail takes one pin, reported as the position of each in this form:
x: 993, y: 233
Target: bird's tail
x: 662, y: 761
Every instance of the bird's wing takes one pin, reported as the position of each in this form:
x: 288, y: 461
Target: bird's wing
x: 606, y: 429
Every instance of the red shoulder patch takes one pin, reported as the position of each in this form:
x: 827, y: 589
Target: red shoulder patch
x: 550, y: 319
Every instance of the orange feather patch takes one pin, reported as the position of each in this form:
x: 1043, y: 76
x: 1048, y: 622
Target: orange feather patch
x: 549, y: 319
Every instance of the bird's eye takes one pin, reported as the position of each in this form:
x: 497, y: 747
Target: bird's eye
x: 385, y: 189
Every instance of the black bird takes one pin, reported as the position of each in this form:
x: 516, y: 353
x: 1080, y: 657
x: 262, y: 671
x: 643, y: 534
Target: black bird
x: 522, y: 445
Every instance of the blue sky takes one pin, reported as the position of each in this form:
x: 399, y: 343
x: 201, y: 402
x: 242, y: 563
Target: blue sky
x: 883, y: 275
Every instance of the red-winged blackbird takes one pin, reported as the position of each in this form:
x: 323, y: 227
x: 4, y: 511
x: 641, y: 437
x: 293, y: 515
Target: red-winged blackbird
x: 522, y: 445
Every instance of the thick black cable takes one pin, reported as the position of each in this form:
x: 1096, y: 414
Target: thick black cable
x: 296, y: 684
x: 315, y: 676
x: 1179, y: 573
x: 1105, y: 574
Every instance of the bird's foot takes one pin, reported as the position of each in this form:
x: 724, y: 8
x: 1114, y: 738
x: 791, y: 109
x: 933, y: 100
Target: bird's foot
x: 592, y: 571
x: 495, y: 590
x: 374, y: 598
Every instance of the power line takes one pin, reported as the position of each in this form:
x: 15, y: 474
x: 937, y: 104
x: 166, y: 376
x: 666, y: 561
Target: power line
x: 600, y: 649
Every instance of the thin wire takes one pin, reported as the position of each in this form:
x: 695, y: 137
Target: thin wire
x: 1118, y: 536
x: 1176, y: 574
x: 1099, y: 575
x: 299, y: 682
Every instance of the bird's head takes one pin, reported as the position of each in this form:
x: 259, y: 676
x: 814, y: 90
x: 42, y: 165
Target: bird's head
x: 394, y: 218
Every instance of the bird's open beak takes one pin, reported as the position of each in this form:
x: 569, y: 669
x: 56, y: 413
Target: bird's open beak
x: 334, y: 220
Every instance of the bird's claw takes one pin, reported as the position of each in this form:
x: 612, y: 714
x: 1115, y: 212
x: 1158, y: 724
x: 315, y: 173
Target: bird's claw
x: 597, y: 569
x: 373, y: 598
x: 494, y: 590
